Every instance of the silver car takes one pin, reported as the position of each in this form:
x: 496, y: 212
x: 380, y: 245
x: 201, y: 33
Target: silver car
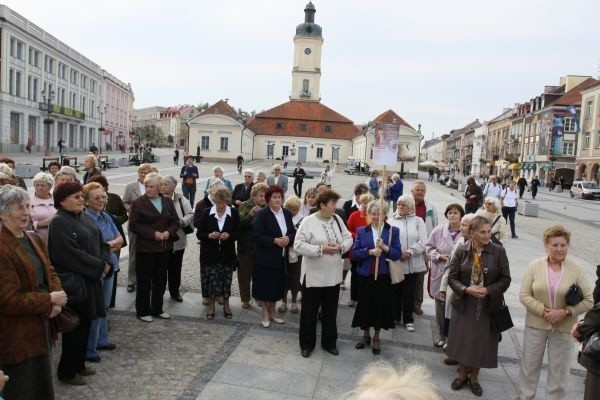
x: 585, y: 189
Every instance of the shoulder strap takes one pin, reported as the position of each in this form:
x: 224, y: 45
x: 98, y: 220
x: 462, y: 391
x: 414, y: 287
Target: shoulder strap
x: 181, y: 206
x: 335, y: 217
x: 496, y: 220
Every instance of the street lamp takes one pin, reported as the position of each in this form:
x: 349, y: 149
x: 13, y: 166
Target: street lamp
x: 132, y: 118
x: 102, y: 111
x: 419, y: 149
x: 47, y: 101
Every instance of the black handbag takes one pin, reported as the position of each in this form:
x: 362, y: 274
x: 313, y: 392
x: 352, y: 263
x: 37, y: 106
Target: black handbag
x: 74, y: 285
x: 574, y: 295
x: 501, y: 319
x: 66, y: 321
x: 591, y: 347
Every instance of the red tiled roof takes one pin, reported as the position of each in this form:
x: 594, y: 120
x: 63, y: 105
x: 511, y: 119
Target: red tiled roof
x: 286, y: 120
x: 220, y: 107
x: 390, y: 117
x: 573, y: 96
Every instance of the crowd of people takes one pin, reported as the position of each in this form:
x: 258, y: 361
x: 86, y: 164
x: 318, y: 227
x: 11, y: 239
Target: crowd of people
x: 60, y: 246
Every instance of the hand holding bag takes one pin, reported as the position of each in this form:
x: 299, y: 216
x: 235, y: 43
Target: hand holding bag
x: 574, y: 295
x: 396, y: 268
x: 65, y: 321
x: 591, y: 347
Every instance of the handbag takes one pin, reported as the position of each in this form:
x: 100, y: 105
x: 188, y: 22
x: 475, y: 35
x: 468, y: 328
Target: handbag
x: 395, y: 266
x: 501, y: 319
x: 574, y: 295
x: 66, y: 321
x: 187, y: 229
x: 335, y: 217
x: 74, y: 285
x: 591, y: 347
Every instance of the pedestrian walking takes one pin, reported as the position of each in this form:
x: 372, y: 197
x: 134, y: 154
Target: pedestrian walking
x: 29, y: 144
x: 534, y: 185
x: 176, y: 156
x: 189, y: 174
x: 298, y: 175
x: 509, y: 206
x: 522, y: 184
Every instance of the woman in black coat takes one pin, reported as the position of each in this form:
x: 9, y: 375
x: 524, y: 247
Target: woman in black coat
x: 81, y: 259
x: 218, y: 229
x: 273, y: 232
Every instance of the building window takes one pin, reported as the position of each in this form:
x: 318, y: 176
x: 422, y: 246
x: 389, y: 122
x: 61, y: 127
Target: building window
x: 224, y: 146
x: 568, y: 148
x: 279, y: 126
x: 16, y: 48
x: 93, y: 86
x: 33, y: 128
x: 49, y: 64
x: 597, y: 144
x: 328, y: 128
x: 319, y: 152
x: 18, y: 83
x: 205, y: 143
x: 83, y: 101
x: 570, y: 125
x: 305, y: 87
x: 15, y: 127
x: 62, y: 70
x: 74, y: 76
x: 589, y: 107
x: 303, y: 128
x: 285, y: 150
x: 34, y: 57
x: 586, y: 140
x: 32, y: 88
x: 72, y: 100
x: 84, y: 81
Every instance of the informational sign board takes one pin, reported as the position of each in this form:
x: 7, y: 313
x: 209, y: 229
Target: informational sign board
x: 385, y: 148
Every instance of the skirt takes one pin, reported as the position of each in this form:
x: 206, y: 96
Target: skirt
x: 471, y: 340
x: 216, y: 280
x: 292, y: 276
x: 374, y: 307
x: 268, y: 282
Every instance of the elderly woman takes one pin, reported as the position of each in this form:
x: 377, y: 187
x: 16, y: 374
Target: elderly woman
x: 479, y: 275
x: 42, y: 204
x: 439, y: 245
x: 53, y: 168
x: 413, y: 236
x: 308, y: 203
x: 356, y: 220
x: 186, y: 217
x: 492, y: 212
x: 292, y: 272
x: 582, y: 331
x: 90, y: 165
x: 549, y: 318
x: 94, y: 197
x: 218, y: 174
x: 376, y: 242
x: 242, y: 191
x: 81, y: 258
x: 473, y: 196
x: 30, y: 294
x: 219, y: 228
x: 273, y: 232
x: 261, y: 177
x: 65, y: 174
x: 321, y: 239
x: 245, y: 245
x: 155, y: 222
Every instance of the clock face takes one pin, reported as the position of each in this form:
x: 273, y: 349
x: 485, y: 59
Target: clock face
x: 307, y: 51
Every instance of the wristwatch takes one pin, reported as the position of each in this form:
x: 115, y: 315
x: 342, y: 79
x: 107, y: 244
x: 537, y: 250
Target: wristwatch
x: 568, y: 311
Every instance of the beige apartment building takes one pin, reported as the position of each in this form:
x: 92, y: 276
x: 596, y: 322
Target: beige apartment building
x: 588, y: 145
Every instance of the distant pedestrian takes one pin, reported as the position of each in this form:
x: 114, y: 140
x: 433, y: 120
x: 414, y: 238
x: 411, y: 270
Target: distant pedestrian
x: 492, y: 188
x: 396, y: 190
x: 522, y: 184
x: 473, y: 195
x: 561, y: 184
x: 431, y: 172
x: 61, y: 145
x: 534, y: 186
x: 509, y: 206
x: 29, y: 144
x: 189, y: 174
x: 298, y: 175
x: 373, y: 183
x: 176, y: 156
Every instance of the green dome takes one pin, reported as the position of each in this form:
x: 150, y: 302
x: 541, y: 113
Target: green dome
x: 309, y: 28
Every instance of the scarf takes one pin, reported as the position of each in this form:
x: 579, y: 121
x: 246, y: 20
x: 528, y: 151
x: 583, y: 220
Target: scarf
x: 476, y: 272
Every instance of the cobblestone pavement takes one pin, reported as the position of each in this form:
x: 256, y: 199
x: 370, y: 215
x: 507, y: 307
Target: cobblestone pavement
x: 189, y: 357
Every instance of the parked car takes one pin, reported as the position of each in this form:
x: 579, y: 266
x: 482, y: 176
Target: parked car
x: 585, y: 189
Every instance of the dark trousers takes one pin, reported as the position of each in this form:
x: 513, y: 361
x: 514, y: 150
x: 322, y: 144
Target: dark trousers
x: 521, y: 191
x: 510, y: 213
x: 327, y: 299
x: 174, y: 271
x: 354, y: 281
x: 298, y: 188
x: 471, y: 208
x: 151, y: 282
x: 74, y: 347
x: 534, y: 192
x: 404, y: 298
x: 114, y: 291
x: 419, y: 283
x: 244, y: 273
x: 189, y: 192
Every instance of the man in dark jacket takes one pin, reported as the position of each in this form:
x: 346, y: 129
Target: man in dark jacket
x: 298, y: 175
x: 522, y: 184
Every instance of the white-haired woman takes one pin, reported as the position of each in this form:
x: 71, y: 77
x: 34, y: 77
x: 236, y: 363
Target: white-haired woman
x: 261, y: 177
x: 90, y: 165
x: 492, y: 211
x: 413, y: 236
x: 186, y: 217
x: 218, y: 174
x: 42, y: 204
x: 65, y: 174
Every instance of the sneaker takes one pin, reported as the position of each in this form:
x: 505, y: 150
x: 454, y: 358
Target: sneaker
x: 146, y: 318
x: 283, y: 307
x: 163, y: 315
x: 410, y: 327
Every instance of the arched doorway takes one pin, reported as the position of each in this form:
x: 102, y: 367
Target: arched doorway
x: 595, y: 176
x: 581, y: 172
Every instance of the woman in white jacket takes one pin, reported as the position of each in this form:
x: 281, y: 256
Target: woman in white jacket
x: 413, y: 236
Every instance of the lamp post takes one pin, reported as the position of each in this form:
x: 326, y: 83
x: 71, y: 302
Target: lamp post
x: 47, y: 101
x: 102, y: 111
x: 132, y: 118
x: 419, y: 149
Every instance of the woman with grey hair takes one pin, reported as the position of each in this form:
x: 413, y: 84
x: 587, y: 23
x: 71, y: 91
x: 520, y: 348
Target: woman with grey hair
x: 413, y: 236
x: 218, y: 174
x: 186, y: 217
x: 492, y: 211
x: 65, y: 174
x: 90, y: 164
x: 261, y: 177
x: 42, y: 204
x: 30, y: 296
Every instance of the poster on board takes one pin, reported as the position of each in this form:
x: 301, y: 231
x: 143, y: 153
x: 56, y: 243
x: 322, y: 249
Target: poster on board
x: 385, y: 148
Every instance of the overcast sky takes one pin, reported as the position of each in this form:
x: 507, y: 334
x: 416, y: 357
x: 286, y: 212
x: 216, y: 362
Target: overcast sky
x: 436, y: 63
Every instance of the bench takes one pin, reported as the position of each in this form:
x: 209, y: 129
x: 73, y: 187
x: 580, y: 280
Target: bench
x: 71, y: 161
x: 46, y: 161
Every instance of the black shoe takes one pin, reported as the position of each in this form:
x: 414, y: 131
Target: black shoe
x: 457, y: 384
x: 94, y: 359
x: 476, y: 389
x: 107, y: 346
x: 177, y: 298
x: 130, y: 288
x: 306, y: 353
x: 376, y: 349
x: 515, y: 237
x: 364, y: 342
x: 333, y: 351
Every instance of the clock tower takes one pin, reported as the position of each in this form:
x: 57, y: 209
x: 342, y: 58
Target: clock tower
x: 306, y: 74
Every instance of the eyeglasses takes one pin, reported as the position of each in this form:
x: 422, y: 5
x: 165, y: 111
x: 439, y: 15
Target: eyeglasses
x: 248, y: 176
x: 76, y: 196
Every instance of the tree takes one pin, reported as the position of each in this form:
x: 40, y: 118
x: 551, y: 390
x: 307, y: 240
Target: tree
x: 202, y: 106
x: 170, y: 139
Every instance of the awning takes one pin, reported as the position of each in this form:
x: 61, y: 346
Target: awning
x: 514, y: 166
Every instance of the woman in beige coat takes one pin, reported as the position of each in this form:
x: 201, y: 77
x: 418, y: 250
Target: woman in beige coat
x: 549, y: 320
